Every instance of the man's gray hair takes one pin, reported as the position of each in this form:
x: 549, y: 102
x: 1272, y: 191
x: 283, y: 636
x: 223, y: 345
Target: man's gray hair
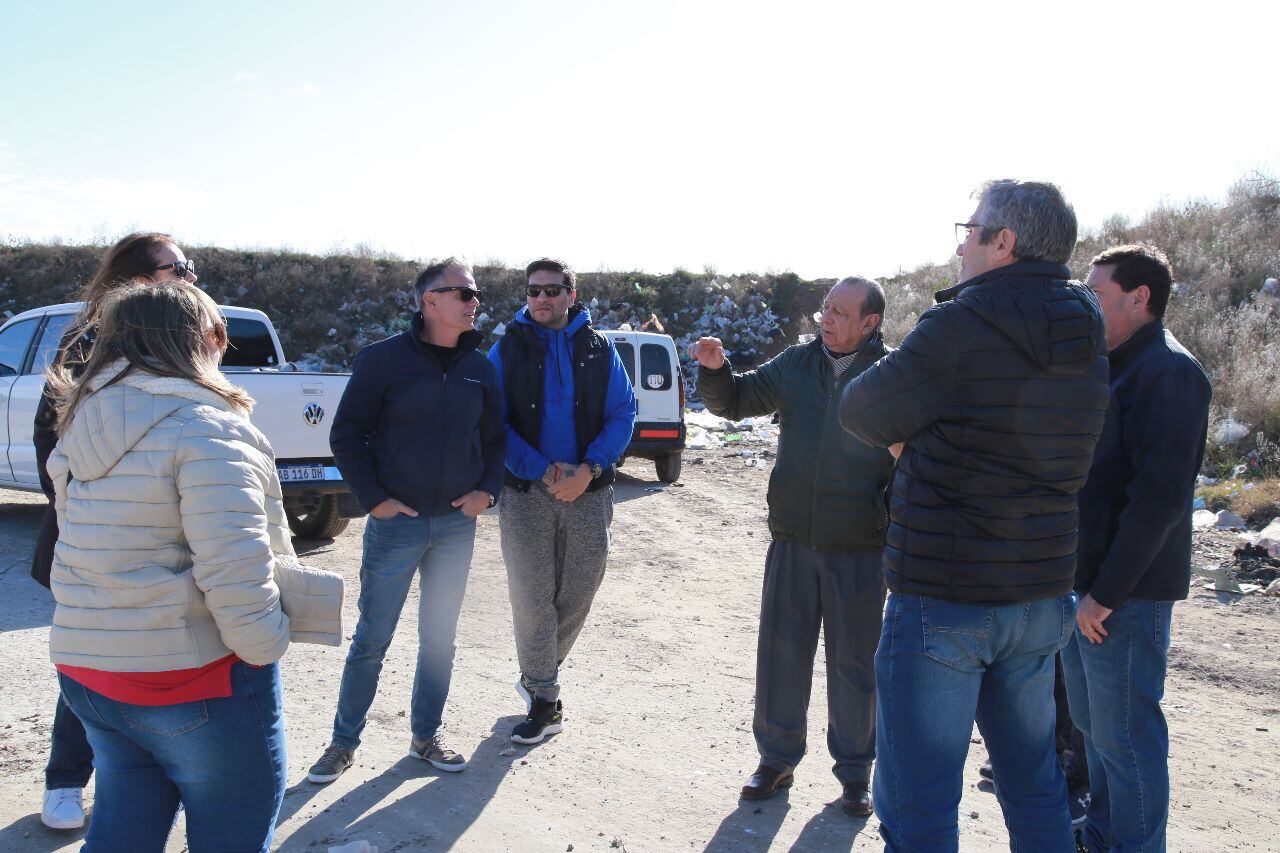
x: 1040, y: 217
x: 873, y: 301
x: 430, y: 277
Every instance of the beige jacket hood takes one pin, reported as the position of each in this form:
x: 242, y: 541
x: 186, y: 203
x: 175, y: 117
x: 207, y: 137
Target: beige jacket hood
x: 173, y: 549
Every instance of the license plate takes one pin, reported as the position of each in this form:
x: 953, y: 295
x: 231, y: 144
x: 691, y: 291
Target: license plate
x: 294, y: 473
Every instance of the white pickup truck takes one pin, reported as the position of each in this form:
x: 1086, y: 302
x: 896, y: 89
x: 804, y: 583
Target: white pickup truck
x: 294, y: 409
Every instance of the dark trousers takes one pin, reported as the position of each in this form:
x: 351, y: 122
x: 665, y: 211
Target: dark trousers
x: 843, y: 594
x: 70, y: 756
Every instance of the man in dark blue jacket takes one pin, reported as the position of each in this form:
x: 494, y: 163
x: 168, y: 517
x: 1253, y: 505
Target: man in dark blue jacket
x: 569, y: 410
x: 999, y: 394
x: 1135, y: 551
x: 418, y: 435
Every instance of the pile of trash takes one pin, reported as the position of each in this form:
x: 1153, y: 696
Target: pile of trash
x: 751, y: 439
x: 1254, y: 565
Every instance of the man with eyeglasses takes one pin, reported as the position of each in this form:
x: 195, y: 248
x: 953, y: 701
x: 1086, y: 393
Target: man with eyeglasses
x: 418, y: 435
x: 999, y: 393
x: 827, y: 519
x: 569, y: 412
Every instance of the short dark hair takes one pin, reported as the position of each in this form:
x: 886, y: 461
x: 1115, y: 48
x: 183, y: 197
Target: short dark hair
x: 1040, y: 217
x: 553, y: 265
x: 431, y: 276
x: 1137, y: 264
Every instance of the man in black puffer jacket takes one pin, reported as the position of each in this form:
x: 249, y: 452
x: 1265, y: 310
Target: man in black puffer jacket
x: 999, y: 394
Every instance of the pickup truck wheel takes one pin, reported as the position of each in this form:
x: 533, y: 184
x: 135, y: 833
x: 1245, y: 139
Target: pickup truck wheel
x: 668, y: 467
x: 316, y: 517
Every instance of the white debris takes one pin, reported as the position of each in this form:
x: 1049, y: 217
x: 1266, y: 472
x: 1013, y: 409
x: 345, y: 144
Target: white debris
x: 1203, y: 518
x: 1228, y: 520
x: 1229, y: 431
x: 360, y: 846
x: 1269, y: 538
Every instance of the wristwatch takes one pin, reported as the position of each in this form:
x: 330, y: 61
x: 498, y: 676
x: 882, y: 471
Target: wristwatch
x: 493, y: 500
x: 596, y: 471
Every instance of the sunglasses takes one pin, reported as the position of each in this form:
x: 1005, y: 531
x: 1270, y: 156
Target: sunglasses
x: 180, y: 267
x: 551, y: 291
x: 466, y: 294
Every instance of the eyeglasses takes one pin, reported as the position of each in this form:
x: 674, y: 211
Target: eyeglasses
x: 551, y: 291
x: 466, y: 294
x: 181, y: 268
x: 964, y: 230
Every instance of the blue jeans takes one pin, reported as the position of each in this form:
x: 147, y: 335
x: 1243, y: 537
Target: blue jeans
x: 438, y: 550
x: 224, y: 759
x: 940, y: 666
x: 1115, y: 688
x: 70, y: 756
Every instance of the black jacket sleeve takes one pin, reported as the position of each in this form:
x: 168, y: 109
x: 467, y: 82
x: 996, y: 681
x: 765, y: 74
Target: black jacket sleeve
x: 1164, y: 433
x: 904, y: 392
x: 493, y: 438
x: 353, y: 427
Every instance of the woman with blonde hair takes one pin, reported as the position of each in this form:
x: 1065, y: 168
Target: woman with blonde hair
x: 145, y: 256
x: 177, y: 588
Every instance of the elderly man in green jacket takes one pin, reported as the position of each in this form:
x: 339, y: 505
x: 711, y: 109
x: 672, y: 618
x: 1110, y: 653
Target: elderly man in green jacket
x: 827, y: 518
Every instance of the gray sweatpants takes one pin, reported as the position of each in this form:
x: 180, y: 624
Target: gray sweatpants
x: 844, y: 594
x: 555, y: 554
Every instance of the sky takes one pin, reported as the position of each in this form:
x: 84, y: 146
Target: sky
x: 823, y: 138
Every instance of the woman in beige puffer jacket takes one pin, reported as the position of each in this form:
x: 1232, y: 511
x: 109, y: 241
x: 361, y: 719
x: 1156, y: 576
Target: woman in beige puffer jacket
x: 177, y: 588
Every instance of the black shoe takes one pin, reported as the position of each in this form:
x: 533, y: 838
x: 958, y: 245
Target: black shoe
x: 856, y: 799
x: 986, y: 773
x: 765, y: 782
x: 545, y: 718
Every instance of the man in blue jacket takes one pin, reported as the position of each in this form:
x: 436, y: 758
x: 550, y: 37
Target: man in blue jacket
x: 1135, y: 551
x: 418, y: 436
x: 569, y: 410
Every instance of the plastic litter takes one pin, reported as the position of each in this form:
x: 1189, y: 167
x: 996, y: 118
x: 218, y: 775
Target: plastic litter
x: 1228, y: 520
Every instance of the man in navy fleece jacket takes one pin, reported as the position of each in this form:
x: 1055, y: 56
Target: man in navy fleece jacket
x: 1134, y: 557
x: 418, y: 435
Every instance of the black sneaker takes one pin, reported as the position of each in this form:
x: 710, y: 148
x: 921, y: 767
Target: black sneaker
x: 1078, y: 802
x: 332, y: 764
x: 986, y: 773
x: 545, y: 718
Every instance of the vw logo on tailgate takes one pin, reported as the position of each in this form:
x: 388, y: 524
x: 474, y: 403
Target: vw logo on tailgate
x: 313, y: 414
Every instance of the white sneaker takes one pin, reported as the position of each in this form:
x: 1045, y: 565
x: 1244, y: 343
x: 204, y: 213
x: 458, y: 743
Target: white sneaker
x: 63, y: 808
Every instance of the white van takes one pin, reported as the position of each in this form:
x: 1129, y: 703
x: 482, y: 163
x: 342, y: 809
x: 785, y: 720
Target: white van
x: 653, y: 364
x: 294, y: 409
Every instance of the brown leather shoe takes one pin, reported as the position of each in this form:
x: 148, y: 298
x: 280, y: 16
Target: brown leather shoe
x: 765, y: 782
x: 856, y: 800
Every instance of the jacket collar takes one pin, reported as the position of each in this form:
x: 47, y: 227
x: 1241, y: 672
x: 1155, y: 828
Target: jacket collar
x: 1137, y: 342
x: 870, y: 351
x: 1037, y: 269
x: 467, y: 341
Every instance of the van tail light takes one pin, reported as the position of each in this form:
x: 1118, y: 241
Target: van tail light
x: 680, y: 373
x: 659, y: 433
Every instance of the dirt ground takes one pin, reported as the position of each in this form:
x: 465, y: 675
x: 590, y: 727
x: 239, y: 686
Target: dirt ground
x: 658, y: 699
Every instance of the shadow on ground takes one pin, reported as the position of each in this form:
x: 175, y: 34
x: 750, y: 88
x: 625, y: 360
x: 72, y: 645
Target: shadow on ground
x: 431, y: 817
x: 28, y: 835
